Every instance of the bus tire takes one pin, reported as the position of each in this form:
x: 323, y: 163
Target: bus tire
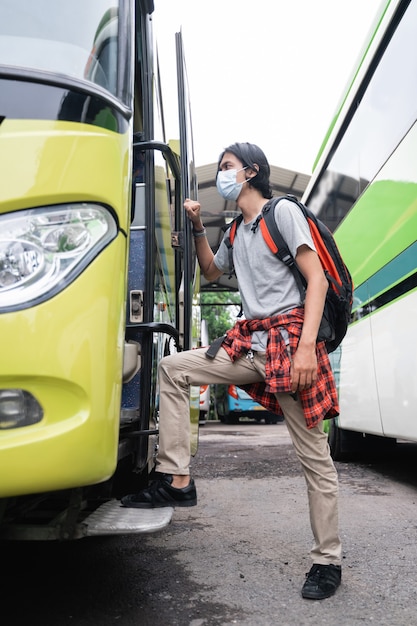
x: 271, y: 418
x: 344, y: 445
x: 233, y: 418
x: 220, y: 411
x: 378, y: 446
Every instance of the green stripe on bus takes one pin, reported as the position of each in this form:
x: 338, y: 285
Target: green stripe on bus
x: 391, y: 274
x: 381, y: 225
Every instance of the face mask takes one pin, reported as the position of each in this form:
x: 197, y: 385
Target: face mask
x: 227, y: 186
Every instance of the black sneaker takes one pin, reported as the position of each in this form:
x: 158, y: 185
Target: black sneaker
x: 160, y: 494
x: 321, y: 581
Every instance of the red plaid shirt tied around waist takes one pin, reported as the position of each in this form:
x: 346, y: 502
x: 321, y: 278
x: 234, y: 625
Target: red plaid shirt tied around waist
x: 320, y: 401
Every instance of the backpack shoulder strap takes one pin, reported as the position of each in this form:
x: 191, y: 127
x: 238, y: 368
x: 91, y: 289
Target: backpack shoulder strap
x: 276, y: 242
x: 229, y: 239
x: 334, y: 267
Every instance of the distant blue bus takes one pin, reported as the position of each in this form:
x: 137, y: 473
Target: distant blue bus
x: 232, y: 403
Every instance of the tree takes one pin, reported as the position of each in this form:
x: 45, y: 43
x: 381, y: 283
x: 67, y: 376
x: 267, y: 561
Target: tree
x: 220, y: 310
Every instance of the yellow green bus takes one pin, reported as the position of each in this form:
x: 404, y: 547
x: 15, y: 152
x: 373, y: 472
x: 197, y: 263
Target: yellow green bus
x: 98, y: 278
x: 364, y: 187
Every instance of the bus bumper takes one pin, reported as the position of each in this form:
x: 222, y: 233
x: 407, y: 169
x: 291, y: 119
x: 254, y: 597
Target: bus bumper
x: 67, y: 353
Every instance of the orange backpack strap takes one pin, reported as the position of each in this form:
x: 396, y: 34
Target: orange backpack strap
x: 229, y: 239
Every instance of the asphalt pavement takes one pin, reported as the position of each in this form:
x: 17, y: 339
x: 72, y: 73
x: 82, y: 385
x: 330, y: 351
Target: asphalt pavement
x: 241, y: 555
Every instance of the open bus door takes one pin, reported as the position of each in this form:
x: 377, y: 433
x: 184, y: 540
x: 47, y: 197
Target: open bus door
x: 189, y: 323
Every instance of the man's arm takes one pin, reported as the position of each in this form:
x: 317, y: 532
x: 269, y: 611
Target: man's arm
x: 304, y: 366
x: 205, y: 254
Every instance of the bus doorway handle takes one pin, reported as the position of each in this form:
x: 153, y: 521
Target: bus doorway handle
x: 160, y: 327
x: 168, y: 154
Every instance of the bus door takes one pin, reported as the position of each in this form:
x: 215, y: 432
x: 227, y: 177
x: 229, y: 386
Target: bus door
x: 191, y: 275
x: 159, y: 308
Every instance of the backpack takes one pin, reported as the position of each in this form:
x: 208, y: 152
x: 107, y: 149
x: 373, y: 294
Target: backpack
x: 338, y: 304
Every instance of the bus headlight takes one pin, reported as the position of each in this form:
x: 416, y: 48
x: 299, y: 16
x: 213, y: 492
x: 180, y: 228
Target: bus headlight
x: 42, y: 250
x: 18, y: 408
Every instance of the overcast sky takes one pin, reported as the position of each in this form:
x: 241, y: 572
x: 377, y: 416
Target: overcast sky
x: 270, y: 72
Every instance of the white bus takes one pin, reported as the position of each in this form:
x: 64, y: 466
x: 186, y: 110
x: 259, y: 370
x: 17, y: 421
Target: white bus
x: 364, y: 187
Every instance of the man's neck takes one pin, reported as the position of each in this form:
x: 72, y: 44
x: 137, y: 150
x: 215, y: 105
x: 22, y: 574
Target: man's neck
x: 251, y: 205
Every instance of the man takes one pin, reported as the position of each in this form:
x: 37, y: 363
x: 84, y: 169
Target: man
x: 272, y: 352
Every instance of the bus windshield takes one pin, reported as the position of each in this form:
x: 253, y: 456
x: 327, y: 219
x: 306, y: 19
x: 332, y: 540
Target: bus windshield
x: 77, y: 39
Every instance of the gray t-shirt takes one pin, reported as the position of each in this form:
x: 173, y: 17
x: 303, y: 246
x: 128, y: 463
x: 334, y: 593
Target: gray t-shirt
x: 266, y: 285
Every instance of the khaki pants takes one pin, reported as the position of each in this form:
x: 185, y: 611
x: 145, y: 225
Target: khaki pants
x: 178, y: 371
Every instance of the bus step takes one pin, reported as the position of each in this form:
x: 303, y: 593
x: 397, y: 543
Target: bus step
x: 113, y: 519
